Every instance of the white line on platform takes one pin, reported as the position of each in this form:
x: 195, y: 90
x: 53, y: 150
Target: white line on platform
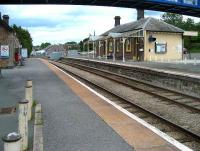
x: 139, y: 120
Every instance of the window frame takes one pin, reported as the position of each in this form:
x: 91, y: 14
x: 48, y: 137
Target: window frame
x: 161, y: 51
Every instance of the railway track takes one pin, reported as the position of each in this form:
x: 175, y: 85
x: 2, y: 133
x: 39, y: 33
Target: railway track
x: 186, y: 101
x: 178, y: 132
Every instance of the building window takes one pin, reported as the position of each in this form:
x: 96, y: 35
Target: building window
x: 160, y: 48
x: 110, y: 46
x: 128, y: 45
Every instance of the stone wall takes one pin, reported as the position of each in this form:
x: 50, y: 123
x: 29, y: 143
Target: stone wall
x: 177, y: 82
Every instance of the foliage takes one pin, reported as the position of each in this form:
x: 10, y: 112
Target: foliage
x: 83, y: 45
x: 24, y: 37
x: 188, y: 25
x: 174, y: 19
x: 71, y: 42
x: 44, y: 45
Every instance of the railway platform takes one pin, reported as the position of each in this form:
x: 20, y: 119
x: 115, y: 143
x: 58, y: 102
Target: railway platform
x: 78, y: 118
x: 184, y: 67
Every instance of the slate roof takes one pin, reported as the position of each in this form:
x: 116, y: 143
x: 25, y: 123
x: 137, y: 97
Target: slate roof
x: 149, y: 24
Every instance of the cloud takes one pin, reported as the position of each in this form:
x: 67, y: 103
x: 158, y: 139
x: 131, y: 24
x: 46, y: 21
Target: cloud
x: 62, y: 23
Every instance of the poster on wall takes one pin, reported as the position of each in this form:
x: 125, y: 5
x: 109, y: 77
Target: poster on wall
x: 24, y: 52
x: 4, y: 51
x: 161, y: 48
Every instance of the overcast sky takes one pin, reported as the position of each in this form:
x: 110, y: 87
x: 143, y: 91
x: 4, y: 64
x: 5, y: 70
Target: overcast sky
x: 62, y: 23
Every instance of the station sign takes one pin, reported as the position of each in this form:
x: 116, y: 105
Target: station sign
x: 4, y: 51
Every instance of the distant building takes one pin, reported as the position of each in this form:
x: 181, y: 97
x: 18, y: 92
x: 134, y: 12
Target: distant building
x: 147, y: 39
x: 71, y: 46
x: 55, y: 48
x: 8, y: 37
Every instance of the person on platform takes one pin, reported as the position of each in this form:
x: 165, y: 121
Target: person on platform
x: 17, y: 58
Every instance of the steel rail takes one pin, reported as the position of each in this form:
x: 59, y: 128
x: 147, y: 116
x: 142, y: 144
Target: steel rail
x: 127, y: 81
x: 187, y: 132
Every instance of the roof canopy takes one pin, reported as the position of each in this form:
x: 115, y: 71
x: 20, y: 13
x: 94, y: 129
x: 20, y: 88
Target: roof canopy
x: 149, y: 24
x: 94, y: 38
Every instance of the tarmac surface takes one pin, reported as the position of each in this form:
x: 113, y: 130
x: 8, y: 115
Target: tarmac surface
x: 69, y: 124
x: 11, y: 92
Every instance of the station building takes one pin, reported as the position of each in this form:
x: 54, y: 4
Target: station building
x: 147, y: 39
x: 8, y: 38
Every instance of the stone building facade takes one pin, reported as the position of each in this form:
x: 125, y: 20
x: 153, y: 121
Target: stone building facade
x: 8, y: 37
x: 147, y: 39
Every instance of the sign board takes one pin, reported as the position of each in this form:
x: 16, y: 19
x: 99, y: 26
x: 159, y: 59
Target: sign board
x: 24, y: 53
x: 4, y: 51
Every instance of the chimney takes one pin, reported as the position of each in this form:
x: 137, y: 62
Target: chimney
x: 6, y: 19
x: 117, y: 20
x: 140, y: 14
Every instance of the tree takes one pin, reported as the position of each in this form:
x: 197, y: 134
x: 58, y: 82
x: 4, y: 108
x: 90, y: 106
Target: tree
x: 173, y: 19
x: 83, y: 44
x: 44, y: 45
x: 24, y: 37
x: 188, y: 25
x: 71, y: 42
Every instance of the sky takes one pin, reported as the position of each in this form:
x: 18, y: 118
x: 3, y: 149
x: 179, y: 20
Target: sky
x: 59, y: 24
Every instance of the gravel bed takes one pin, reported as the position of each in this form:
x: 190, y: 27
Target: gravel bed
x: 172, y: 112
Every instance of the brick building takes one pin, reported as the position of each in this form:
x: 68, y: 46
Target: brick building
x: 8, y: 37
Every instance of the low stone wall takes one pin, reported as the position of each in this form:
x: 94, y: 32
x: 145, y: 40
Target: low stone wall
x: 38, y: 132
x: 182, y: 83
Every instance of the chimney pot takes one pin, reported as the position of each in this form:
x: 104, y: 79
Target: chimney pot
x: 6, y: 19
x: 117, y: 20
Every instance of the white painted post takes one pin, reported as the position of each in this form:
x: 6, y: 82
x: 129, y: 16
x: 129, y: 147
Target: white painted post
x: 93, y: 49
x: 195, y: 61
x: 88, y: 48
x: 23, y: 123
x: 12, y: 142
x: 114, y: 50
x: 29, y: 97
x: 185, y: 60
x: 106, y: 49
x: 99, y: 49
x: 124, y: 39
x: 29, y: 82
